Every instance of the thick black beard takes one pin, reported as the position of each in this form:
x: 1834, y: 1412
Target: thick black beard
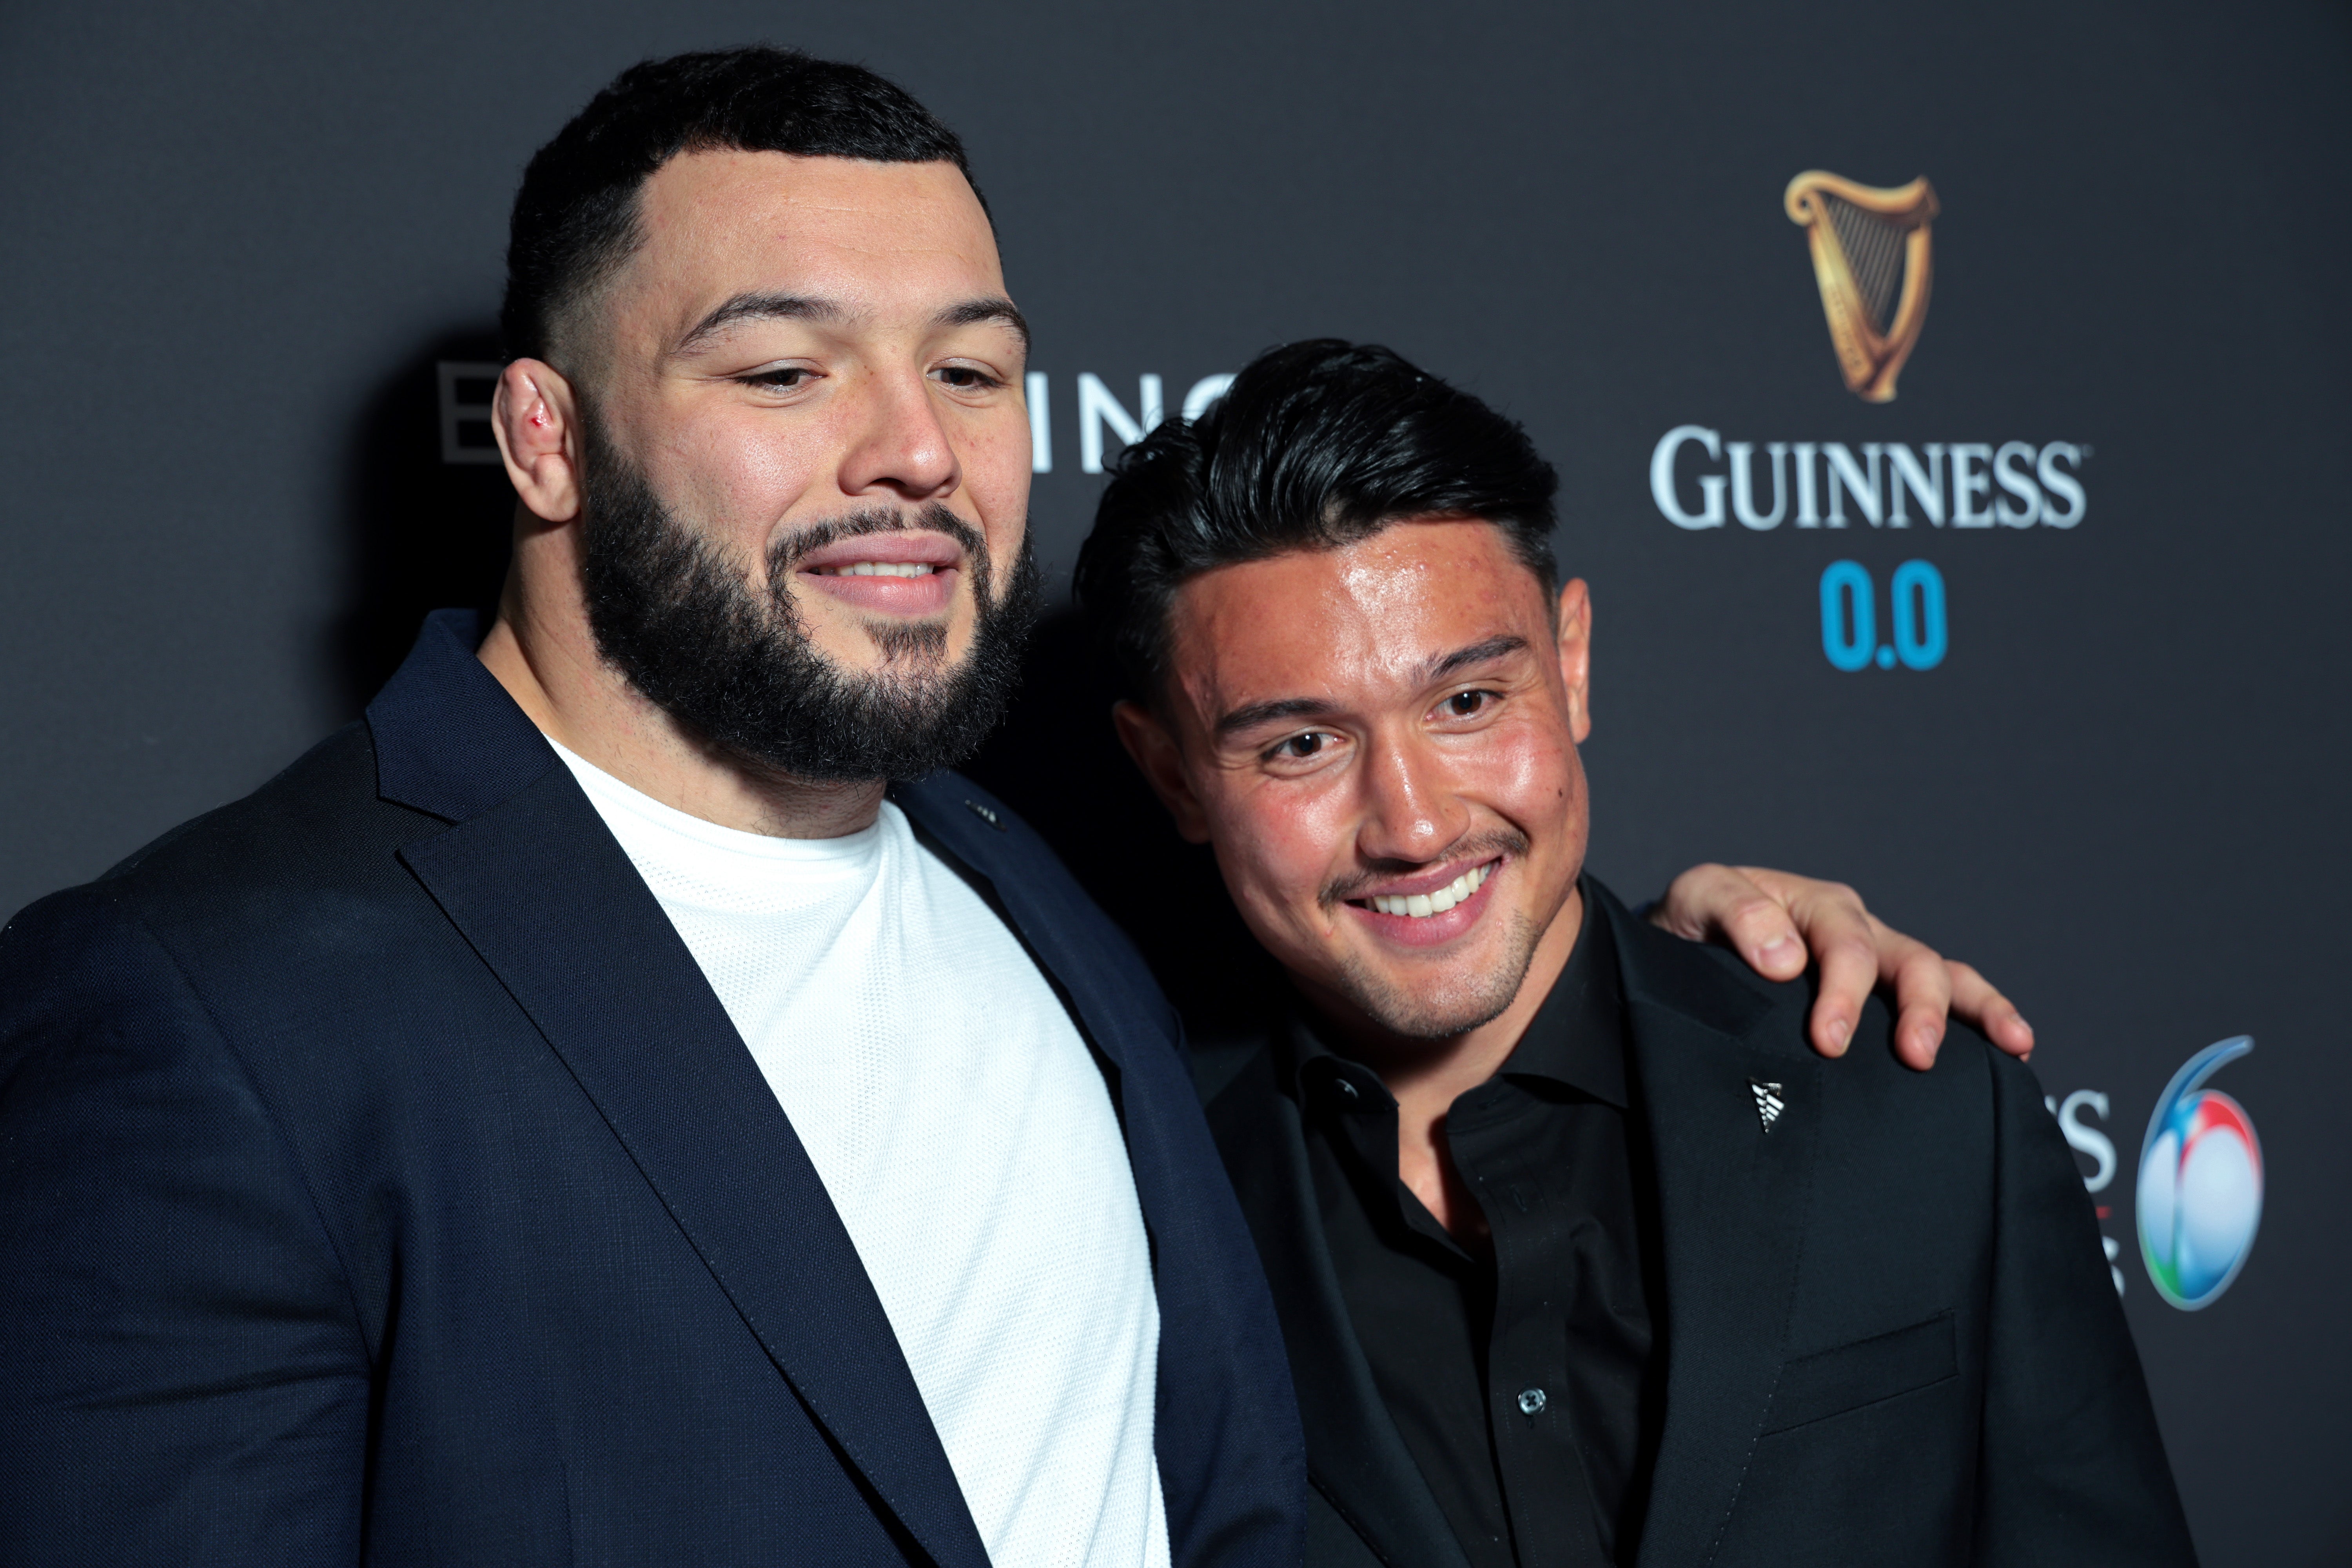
x: 739, y: 668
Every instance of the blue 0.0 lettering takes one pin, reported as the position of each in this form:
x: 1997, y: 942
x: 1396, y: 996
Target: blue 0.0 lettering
x: 1916, y: 617
x: 1849, y: 620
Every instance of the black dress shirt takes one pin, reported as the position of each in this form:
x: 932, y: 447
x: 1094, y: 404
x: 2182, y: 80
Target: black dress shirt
x: 1522, y: 1369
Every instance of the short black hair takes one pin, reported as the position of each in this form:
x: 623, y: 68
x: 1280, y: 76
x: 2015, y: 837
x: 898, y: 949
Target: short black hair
x: 1314, y: 445
x: 575, y: 218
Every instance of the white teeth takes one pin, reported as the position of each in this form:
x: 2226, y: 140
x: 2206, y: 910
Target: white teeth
x: 1421, y: 906
x: 881, y: 569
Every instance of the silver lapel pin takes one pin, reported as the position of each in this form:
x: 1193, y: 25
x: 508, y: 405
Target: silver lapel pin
x: 1768, y: 1104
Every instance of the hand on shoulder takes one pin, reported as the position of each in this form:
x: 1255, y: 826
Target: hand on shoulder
x: 1779, y: 924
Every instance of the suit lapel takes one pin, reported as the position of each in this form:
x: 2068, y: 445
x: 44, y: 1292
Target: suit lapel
x: 974, y: 830
x: 551, y: 904
x: 1355, y: 1455
x: 1226, y: 1435
x: 1732, y: 1197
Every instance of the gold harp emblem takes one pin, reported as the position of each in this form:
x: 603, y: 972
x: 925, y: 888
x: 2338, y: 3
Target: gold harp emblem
x: 1870, y: 256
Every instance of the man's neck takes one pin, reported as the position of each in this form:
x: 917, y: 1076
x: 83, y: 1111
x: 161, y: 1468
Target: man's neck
x: 546, y: 659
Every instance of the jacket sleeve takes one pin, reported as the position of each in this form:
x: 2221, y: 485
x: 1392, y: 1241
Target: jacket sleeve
x: 185, y: 1378
x: 2072, y: 1467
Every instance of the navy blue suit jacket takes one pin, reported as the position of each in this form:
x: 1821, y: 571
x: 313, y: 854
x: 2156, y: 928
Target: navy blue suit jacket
x: 380, y: 1178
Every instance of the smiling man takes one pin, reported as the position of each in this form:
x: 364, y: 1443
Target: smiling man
x: 1582, y: 1256
x: 588, y: 1111
x: 575, y: 1115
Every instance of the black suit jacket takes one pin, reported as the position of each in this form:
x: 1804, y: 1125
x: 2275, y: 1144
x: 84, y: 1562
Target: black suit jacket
x: 380, y: 1178
x: 1890, y: 1333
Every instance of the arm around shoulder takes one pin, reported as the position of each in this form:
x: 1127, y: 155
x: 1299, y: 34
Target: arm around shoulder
x: 2073, y: 1469
x: 186, y: 1378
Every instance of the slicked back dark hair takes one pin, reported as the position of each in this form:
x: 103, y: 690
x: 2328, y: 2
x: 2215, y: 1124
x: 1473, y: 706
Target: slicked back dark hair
x: 1314, y: 445
x: 575, y: 218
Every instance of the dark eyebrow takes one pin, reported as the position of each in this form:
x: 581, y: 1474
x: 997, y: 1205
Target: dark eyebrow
x: 971, y: 313
x: 757, y: 308
x: 1476, y: 653
x: 1257, y: 713
x: 801, y: 308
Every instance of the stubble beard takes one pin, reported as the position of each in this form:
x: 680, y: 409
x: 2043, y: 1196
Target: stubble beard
x: 1442, y: 1012
x: 738, y: 667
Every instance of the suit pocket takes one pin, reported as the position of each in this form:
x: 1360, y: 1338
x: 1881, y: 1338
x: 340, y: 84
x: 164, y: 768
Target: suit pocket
x: 1832, y: 1382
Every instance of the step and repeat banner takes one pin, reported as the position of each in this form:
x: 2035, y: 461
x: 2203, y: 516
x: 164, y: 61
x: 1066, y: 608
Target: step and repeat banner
x: 1948, y: 402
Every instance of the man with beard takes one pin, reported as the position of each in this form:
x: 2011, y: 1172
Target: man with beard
x: 587, y: 1110
x: 1582, y: 1256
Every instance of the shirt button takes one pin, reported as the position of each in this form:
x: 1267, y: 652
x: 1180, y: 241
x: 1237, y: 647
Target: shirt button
x: 1346, y: 1090
x: 1531, y: 1401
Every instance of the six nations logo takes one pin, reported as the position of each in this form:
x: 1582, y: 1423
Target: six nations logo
x: 2201, y: 1182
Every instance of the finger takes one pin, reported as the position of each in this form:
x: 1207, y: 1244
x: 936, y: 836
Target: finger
x: 1843, y: 939
x: 1760, y: 931
x: 1976, y: 1002
x: 1717, y: 903
x: 1848, y: 956
x: 1809, y: 912
x: 1756, y: 925
x: 1683, y: 910
x: 1922, y: 984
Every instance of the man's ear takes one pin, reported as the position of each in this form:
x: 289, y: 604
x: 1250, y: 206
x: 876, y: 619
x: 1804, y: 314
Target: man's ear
x: 1576, y: 656
x: 537, y: 422
x: 1147, y: 741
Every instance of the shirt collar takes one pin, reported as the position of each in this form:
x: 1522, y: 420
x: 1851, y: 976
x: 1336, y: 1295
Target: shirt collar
x: 1578, y: 1037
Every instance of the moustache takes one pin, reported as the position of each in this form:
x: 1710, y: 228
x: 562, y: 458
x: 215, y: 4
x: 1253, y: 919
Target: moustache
x: 787, y: 552
x: 1483, y: 847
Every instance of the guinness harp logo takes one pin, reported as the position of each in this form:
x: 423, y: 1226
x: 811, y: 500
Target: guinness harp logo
x: 1870, y: 255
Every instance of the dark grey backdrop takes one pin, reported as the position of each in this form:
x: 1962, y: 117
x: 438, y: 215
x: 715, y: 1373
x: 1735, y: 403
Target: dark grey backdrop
x: 238, y: 239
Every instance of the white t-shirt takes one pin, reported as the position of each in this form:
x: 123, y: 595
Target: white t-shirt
x: 969, y: 1143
